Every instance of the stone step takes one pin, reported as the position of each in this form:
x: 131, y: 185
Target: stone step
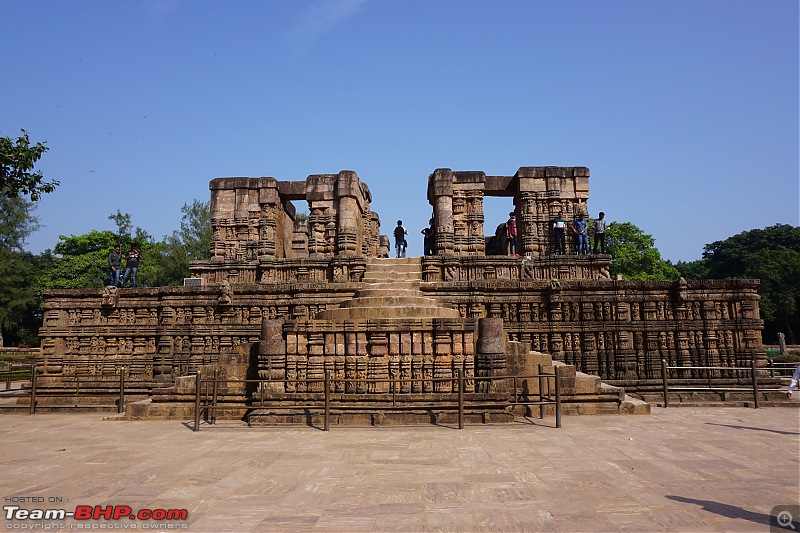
x: 400, y: 283
x: 392, y: 276
x: 388, y: 292
x: 394, y: 300
x: 390, y: 289
x: 394, y: 268
x: 370, y: 313
x: 394, y: 261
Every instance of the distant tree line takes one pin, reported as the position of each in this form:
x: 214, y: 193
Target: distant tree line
x: 771, y: 255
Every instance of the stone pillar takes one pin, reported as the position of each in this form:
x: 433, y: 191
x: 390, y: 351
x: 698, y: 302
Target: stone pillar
x: 272, y: 353
x: 490, y: 358
x: 269, y: 227
x: 440, y: 195
x: 533, y: 227
x: 348, y: 234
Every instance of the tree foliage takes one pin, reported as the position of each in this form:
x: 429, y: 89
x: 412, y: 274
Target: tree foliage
x: 82, y: 260
x: 79, y: 261
x: 635, y: 255
x: 17, y: 161
x: 191, y: 243
x: 18, y: 298
x: 771, y: 255
x: 17, y: 222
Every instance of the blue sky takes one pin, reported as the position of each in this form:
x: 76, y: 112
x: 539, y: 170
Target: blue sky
x: 685, y: 111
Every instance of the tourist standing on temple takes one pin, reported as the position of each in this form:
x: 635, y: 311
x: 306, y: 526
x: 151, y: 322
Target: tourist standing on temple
x: 559, y: 229
x: 400, y: 239
x: 793, y: 383
x: 132, y: 259
x: 600, y: 233
x: 511, y: 234
x: 114, y: 264
x: 581, y: 229
x: 427, y: 239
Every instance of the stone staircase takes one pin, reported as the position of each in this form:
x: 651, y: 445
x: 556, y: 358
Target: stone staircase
x: 390, y: 290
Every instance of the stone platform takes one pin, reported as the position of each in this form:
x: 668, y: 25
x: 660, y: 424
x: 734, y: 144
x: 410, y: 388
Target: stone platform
x: 685, y: 469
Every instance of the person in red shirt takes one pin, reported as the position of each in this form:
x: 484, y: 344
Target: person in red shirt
x: 511, y: 233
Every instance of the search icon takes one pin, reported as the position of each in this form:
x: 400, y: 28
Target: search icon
x: 785, y: 520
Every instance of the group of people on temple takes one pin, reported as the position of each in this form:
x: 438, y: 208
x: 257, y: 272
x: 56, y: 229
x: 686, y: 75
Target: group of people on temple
x: 132, y: 258
x: 579, y: 228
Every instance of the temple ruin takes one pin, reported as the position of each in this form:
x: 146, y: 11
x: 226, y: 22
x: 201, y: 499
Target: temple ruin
x: 287, y: 297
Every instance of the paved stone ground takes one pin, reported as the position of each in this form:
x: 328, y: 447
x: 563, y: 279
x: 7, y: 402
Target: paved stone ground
x: 679, y: 469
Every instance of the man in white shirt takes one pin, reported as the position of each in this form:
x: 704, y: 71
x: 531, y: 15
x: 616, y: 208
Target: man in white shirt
x: 793, y: 383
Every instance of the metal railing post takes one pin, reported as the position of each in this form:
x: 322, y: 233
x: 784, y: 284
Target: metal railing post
x: 460, y: 398
x: 8, y: 376
x: 327, y: 400
x: 33, y: 389
x: 755, y: 382
x: 197, y: 401
x: 664, y: 382
x: 541, y: 391
x: 516, y: 399
x: 214, y: 397
x: 121, y: 405
x: 558, y: 395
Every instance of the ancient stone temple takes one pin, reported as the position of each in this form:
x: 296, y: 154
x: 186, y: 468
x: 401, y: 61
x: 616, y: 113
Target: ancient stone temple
x: 287, y: 297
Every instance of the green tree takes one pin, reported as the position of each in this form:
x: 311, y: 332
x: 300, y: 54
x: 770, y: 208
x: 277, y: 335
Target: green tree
x: 18, y: 297
x: 693, y: 269
x: 17, y: 161
x: 149, y: 274
x: 80, y: 261
x: 191, y: 243
x: 17, y: 222
x: 20, y: 310
x: 773, y: 256
x: 635, y: 255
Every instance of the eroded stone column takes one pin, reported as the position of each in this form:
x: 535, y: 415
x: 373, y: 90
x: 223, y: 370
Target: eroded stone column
x: 272, y: 353
x: 349, y: 214
x: 440, y: 195
x: 490, y: 358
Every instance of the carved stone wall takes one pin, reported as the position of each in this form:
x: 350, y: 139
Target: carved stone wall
x: 160, y: 334
x: 615, y: 329
x: 621, y: 329
x: 538, y: 193
x: 255, y: 225
x: 396, y: 349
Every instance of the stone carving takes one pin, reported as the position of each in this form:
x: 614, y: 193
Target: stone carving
x: 110, y: 296
x: 225, y: 294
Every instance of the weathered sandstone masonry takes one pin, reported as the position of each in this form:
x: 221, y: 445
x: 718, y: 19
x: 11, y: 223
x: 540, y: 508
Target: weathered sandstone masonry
x: 288, y: 297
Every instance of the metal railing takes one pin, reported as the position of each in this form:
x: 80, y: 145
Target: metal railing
x: 10, y: 372
x: 34, y: 393
x: 711, y: 388
x: 545, y: 397
x: 782, y: 369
